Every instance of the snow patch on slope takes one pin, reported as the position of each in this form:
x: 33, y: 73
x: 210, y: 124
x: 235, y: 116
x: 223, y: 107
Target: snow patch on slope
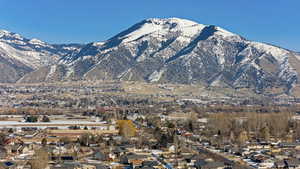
x: 120, y: 76
x: 51, y: 72
x: 37, y: 42
x: 31, y: 59
x: 156, y: 75
x: 297, y: 56
x: 4, y: 33
x: 278, y: 53
x: 217, y: 81
x: 70, y: 72
x: 98, y: 43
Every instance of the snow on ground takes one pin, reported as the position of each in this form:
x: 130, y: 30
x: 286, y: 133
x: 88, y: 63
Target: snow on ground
x: 220, y: 53
x: 297, y: 56
x: 26, y: 55
x: 29, y: 58
x: 98, y: 43
x: 155, y: 76
x: 278, y: 53
x: 124, y: 73
x: 224, y: 33
x: 217, y: 81
x: 10, y: 34
x: 70, y: 72
x: 37, y: 42
x: 161, y: 27
x: 51, y: 72
x: 4, y: 32
x: 87, y: 57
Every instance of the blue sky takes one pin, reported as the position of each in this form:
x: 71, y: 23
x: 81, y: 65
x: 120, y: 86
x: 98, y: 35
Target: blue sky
x: 83, y: 21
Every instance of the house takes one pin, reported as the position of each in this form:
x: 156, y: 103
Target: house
x: 280, y: 164
x: 94, y: 166
x: 290, y: 145
x: 15, y: 149
x: 267, y: 164
x: 71, y: 165
x: 136, y: 160
x: 99, y: 156
x: 149, y: 164
x: 288, y: 163
x: 292, y: 163
x: 117, y: 152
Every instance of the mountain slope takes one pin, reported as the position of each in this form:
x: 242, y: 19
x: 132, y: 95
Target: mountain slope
x: 179, y: 51
x: 19, y: 56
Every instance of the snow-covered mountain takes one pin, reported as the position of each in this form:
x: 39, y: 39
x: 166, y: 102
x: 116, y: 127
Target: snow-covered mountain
x: 19, y: 56
x: 176, y: 50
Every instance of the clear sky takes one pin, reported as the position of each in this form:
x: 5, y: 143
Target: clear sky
x: 83, y: 21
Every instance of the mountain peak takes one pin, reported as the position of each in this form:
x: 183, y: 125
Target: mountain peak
x: 35, y: 41
x: 178, y: 21
x: 158, y: 27
x: 4, y: 34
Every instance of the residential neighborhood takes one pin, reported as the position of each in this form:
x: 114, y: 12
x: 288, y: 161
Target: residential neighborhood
x: 153, y: 135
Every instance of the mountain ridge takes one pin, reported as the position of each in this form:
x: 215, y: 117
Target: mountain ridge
x: 19, y: 55
x: 177, y: 50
